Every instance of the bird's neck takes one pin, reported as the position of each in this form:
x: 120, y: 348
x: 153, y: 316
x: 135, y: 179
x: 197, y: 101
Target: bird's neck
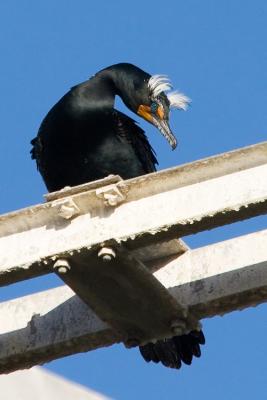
x: 129, y: 82
x: 98, y: 93
x: 95, y: 95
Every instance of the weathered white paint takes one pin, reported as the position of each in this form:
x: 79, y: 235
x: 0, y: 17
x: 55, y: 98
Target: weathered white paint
x: 158, y: 206
x: 211, y: 280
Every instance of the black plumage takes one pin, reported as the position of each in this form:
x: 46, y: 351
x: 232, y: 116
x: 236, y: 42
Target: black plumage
x: 83, y: 138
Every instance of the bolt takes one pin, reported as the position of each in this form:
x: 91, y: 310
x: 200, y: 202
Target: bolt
x: 184, y: 312
x: 111, y: 194
x: 111, y: 199
x: 178, y: 327
x: 62, y: 270
x: 107, y: 254
x: 67, y: 209
x: 62, y: 266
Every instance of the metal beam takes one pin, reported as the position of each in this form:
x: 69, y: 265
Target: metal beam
x: 212, y: 280
x: 182, y: 200
x: 122, y: 292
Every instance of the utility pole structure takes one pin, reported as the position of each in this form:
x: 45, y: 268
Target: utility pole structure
x: 128, y: 278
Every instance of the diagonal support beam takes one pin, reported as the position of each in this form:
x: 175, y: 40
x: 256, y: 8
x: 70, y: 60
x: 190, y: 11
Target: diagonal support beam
x: 182, y: 200
x: 123, y: 292
x: 212, y: 280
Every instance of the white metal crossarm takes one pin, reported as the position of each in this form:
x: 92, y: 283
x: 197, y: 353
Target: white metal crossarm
x: 211, y: 281
x: 78, y: 226
x: 182, y: 200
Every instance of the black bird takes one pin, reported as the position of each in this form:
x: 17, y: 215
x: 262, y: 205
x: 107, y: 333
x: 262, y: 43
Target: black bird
x: 83, y: 138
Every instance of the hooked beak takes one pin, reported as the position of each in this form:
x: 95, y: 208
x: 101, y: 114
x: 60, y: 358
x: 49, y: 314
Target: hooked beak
x: 159, y: 122
x: 164, y: 128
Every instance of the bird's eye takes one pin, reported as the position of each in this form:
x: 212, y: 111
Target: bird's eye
x: 157, y: 110
x: 154, y: 107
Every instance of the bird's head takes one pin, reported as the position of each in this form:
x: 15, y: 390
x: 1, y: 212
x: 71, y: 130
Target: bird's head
x: 145, y: 95
x: 156, y: 105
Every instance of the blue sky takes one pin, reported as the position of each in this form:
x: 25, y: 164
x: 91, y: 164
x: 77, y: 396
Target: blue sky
x: 215, y: 52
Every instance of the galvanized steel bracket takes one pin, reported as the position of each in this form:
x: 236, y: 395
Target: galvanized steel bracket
x: 113, y: 194
x: 67, y: 208
x: 126, y: 295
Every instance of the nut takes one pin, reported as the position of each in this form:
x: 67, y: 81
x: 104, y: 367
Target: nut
x: 107, y: 254
x: 62, y: 266
x: 67, y: 208
x: 178, y: 327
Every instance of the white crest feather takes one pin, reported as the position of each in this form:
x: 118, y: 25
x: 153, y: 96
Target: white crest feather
x: 178, y: 100
x: 158, y: 84
x: 161, y: 83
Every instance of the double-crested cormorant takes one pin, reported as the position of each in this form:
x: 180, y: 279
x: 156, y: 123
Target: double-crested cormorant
x: 83, y: 138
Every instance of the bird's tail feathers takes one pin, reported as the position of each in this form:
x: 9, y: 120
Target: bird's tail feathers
x: 172, y: 352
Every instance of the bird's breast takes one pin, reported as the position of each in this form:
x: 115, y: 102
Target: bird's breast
x: 84, y: 155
